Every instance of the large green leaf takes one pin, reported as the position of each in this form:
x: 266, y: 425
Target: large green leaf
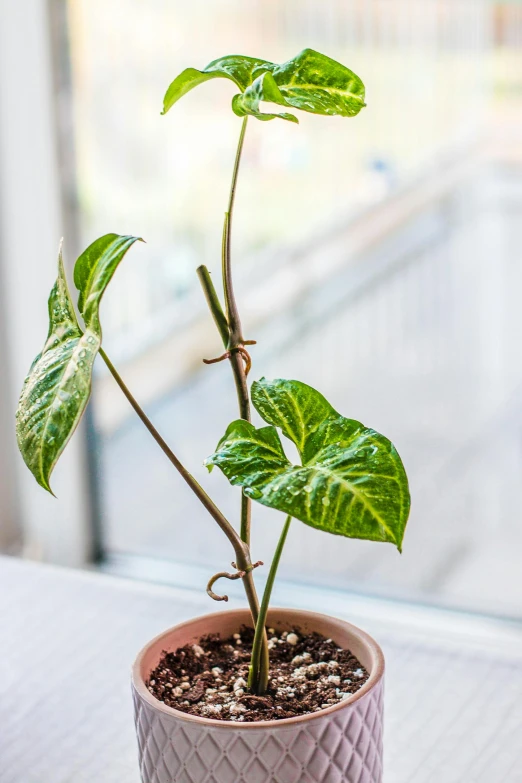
x: 311, y: 81
x: 58, y: 386
x: 93, y: 271
x: 351, y: 481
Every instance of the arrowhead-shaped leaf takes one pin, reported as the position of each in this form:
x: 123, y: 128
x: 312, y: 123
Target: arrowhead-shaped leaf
x: 93, y: 271
x: 58, y: 386
x: 311, y: 81
x: 351, y: 481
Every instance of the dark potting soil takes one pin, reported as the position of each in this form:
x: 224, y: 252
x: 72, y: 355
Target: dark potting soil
x: 307, y: 673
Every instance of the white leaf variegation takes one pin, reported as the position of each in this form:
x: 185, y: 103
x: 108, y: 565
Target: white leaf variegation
x: 58, y: 386
x: 93, y: 272
x: 351, y: 481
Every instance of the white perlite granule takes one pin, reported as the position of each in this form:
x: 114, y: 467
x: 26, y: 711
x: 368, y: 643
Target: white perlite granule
x: 211, y: 709
x: 239, y: 684
x: 236, y: 709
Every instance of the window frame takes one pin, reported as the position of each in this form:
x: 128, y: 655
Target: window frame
x: 33, y: 216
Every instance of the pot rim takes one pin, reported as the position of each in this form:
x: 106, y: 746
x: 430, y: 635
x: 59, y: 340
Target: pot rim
x: 374, y: 678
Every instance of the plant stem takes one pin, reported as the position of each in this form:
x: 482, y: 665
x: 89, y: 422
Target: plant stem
x: 233, y: 319
x: 229, y: 327
x: 234, y: 324
x: 241, y: 550
x: 257, y: 677
x: 213, y: 302
x: 236, y: 340
x: 237, y: 365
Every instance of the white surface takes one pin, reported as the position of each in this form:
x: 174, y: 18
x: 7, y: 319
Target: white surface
x: 453, y: 688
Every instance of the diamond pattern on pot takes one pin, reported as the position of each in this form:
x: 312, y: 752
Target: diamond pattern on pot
x: 342, y: 747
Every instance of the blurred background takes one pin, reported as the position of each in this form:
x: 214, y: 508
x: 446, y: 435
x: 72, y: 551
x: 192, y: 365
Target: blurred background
x: 377, y: 258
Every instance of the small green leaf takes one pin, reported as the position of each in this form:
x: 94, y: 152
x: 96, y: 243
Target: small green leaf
x: 311, y: 81
x: 234, y: 67
x: 351, y: 481
x: 93, y: 271
x: 263, y: 88
x: 58, y: 386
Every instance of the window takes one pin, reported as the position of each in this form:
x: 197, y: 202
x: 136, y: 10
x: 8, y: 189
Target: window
x: 377, y: 259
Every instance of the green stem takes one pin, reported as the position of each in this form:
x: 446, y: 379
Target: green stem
x: 213, y: 302
x: 233, y: 319
x: 258, y: 677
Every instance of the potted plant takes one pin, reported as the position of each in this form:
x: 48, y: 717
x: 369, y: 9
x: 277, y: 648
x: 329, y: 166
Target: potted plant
x: 259, y: 694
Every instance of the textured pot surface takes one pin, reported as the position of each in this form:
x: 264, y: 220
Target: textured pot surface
x: 341, y: 744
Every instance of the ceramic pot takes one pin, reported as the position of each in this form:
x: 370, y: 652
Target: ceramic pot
x: 340, y: 744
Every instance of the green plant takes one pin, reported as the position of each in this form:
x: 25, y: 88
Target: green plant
x: 350, y: 482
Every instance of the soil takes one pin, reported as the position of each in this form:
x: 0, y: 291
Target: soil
x: 307, y: 674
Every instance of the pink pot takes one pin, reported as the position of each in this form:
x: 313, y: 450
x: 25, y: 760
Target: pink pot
x: 341, y: 744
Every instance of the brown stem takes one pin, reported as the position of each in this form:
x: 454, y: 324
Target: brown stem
x: 240, y: 549
x: 227, y: 575
x: 221, y: 575
x: 221, y: 358
x: 236, y: 339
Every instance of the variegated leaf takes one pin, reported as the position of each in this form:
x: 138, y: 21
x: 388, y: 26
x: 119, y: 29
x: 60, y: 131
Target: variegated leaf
x: 58, y: 386
x: 294, y: 407
x: 93, y: 271
x: 311, y: 82
x: 351, y: 481
x: 235, y: 67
